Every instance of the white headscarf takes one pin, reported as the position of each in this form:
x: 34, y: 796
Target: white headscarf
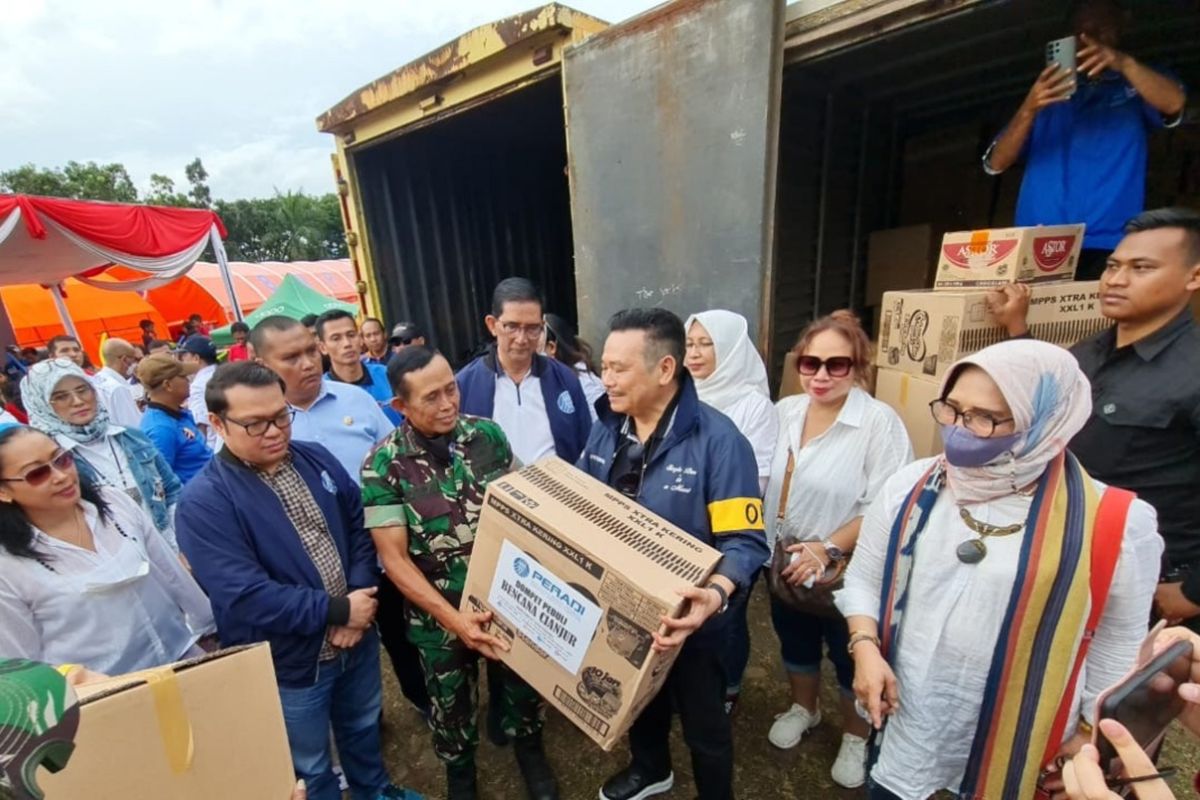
x: 739, y: 367
x: 1051, y: 401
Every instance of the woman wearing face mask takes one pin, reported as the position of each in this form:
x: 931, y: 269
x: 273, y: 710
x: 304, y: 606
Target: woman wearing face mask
x: 63, y: 403
x: 997, y: 589
x: 85, y: 578
x: 837, y: 446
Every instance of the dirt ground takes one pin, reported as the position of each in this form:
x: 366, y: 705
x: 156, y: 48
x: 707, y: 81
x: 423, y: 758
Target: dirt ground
x: 762, y: 772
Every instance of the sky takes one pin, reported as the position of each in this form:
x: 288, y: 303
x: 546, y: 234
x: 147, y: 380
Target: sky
x: 153, y: 84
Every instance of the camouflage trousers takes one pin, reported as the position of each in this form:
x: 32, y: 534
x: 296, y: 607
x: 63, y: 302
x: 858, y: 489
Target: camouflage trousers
x: 452, y: 678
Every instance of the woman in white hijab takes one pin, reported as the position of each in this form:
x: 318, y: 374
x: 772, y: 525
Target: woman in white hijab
x: 997, y: 589
x: 730, y: 377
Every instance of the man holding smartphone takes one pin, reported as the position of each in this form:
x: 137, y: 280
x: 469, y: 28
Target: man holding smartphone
x: 1083, y: 135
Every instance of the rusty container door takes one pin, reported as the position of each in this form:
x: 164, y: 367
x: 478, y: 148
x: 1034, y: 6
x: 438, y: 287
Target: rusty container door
x: 672, y: 120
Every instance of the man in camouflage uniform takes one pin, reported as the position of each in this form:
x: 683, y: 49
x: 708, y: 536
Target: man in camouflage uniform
x: 423, y: 488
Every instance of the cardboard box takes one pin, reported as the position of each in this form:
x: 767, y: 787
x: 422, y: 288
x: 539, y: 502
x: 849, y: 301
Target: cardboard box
x: 789, y: 380
x: 577, y: 576
x: 910, y: 396
x: 900, y: 258
x: 924, y: 332
x: 195, y: 730
x: 973, y: 259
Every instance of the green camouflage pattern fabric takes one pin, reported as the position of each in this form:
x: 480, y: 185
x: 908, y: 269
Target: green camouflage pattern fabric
x: 439, y: 504
x: 452, y: 680
x: 39, y: 717
x: 403, y: 484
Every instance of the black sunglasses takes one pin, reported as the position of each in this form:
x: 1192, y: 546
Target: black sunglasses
x: 41, y: 473
x: 630, y: 483
x: 836, y: 367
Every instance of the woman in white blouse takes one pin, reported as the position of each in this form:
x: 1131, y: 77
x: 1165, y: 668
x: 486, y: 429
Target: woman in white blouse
x: 84, y: 576
x: 997, y: 589
x: 841, y: 445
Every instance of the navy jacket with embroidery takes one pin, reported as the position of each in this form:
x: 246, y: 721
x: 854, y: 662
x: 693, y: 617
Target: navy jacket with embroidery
x: 566, y: 404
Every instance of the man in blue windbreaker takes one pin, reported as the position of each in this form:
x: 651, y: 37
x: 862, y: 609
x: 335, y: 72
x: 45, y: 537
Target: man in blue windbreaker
x: 273, y: 530
x: 659, y: 445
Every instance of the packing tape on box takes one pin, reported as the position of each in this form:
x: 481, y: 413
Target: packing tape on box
x: 174, y: 728
x: 979, y: 242
x: 904, y: 381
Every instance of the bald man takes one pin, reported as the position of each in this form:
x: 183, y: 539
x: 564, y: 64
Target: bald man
x: 112, y: 383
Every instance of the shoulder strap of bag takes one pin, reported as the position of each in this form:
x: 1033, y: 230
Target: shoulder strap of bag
x: 1106, y: 549
x: 787, y: 485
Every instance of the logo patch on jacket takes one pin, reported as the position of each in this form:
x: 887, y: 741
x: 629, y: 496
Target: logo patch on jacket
x: 327, y: 482
x: 565, y: 404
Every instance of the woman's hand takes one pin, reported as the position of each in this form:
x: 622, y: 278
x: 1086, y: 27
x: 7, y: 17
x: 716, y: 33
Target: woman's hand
x: 300, y: 792
x: 1190, y: 692
x: 1083, y: 777
x: 810, y: 561
x: 874, y: 683
x: 1052, y: 782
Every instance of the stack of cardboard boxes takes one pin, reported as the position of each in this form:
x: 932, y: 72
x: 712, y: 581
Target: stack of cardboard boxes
x: 923, y: 331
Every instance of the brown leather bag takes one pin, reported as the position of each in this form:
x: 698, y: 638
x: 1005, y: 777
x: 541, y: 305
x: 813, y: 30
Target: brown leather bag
x: 817, y: 599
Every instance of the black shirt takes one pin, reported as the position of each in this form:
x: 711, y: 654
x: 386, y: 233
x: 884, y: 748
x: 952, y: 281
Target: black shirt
x: 1144, y: 433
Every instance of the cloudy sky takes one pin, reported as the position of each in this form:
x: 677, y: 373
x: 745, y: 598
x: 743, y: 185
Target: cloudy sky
x: 154, y: 83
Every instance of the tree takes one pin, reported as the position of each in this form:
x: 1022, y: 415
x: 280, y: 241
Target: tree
x: 162, y: 192
x: 90, y: 181
x: 200, y: 195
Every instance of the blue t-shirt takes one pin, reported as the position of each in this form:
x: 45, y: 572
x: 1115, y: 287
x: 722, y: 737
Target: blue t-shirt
x: 176, y: 436
x: 375, y: 383
x: 1086, y: 160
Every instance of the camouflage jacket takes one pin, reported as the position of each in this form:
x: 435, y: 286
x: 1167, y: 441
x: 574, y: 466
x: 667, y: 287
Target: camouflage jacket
x: 403, y: 484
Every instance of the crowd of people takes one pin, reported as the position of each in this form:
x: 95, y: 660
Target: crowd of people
x: 991, y: 593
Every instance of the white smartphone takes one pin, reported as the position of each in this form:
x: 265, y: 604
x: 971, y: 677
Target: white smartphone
x: 1062, y: 52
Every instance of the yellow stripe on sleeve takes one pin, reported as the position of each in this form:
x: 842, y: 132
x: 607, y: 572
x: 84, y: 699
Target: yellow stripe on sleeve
x: 735, y: 514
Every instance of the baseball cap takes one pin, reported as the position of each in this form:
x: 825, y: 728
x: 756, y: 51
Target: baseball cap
x: 200, y: 345
x: 154, y: 370
x: 404, y: 333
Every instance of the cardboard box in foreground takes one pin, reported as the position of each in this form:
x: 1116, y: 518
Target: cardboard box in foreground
x: 577, y: 577
x: 972, y: 259
x: 195, y: 730
x: 910, y: 396
x: 924, y: 332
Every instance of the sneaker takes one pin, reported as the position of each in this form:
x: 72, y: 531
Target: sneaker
x: 790, y: 726
x: 850, y: 768
x: 631, y: 784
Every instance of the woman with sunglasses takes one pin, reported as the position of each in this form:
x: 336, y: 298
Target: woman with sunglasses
x: 85, y: 577
x: 997, y: 589
x: 560, y: 341
x: 63, y: 403
x: 837, y: 447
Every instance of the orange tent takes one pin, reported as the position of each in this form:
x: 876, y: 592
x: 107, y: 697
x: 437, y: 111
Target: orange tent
x: 255, y: 282
x: 95, y: 312
x: 179, y: 299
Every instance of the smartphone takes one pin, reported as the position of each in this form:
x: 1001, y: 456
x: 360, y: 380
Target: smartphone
x: 1146, y: 702
x: 1062, y: 52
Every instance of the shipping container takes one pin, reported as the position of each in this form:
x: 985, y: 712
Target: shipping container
x: 707, y: 153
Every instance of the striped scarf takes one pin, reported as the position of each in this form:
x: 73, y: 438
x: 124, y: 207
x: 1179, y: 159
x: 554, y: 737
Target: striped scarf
x: 1034, y: 669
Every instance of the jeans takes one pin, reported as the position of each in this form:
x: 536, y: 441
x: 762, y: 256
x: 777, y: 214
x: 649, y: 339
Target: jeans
x: 696, y: 686
x: 801, y: 637
x: 393, y: 633
x: 737, y: 651
x: 348, y: 695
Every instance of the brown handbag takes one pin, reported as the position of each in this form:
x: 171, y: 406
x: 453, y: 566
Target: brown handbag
x: 817, y: 599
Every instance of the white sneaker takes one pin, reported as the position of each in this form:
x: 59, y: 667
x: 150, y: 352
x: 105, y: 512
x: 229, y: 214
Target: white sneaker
x: 790, y: 726
x: 850, y: 768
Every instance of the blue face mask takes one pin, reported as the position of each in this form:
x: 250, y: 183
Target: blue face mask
x: 965, y: 449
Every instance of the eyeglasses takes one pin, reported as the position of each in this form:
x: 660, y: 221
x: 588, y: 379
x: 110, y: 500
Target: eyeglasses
x: 85, y: 392
x: 836, y: 367
x: 259, y: 427
x: 517, y: 329
x: 61, y: 462
x: 977, y: 422
x: 630, y: 483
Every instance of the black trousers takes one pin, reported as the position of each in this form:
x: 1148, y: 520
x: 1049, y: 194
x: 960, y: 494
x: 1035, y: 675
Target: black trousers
x: 696, y: 686
x: 393, y: 633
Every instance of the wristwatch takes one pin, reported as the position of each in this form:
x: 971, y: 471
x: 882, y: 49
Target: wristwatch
x: 835, y: 553
x: 724, y: 596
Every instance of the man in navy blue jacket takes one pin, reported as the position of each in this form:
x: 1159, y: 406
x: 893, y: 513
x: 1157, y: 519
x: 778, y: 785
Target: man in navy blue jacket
x: 659, y: 445
x: 274, y: 533
x: 535, y: 400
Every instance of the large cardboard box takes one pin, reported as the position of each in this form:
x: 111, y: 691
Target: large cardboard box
x: 789, y: 380
x: 577, y: 577
x: 973, y: 259
x: 196, y: 730
x: 924, y: 332
x: 910, y: 396
x: 900, y: 258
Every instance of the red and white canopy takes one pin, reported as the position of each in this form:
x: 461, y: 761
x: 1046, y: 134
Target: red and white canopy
x: 47, y: 239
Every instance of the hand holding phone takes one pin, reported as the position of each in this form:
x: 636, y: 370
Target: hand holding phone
x: 1146, y: 702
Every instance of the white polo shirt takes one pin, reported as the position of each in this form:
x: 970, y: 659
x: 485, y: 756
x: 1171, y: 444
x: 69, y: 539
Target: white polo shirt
x: 520, y: 411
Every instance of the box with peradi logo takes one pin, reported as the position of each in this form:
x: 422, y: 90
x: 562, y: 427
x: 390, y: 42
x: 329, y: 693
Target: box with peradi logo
x: 577, y: 577
x: 975, y: 259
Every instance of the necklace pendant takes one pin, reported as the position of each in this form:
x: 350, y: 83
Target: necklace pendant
x: 971, y: 551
